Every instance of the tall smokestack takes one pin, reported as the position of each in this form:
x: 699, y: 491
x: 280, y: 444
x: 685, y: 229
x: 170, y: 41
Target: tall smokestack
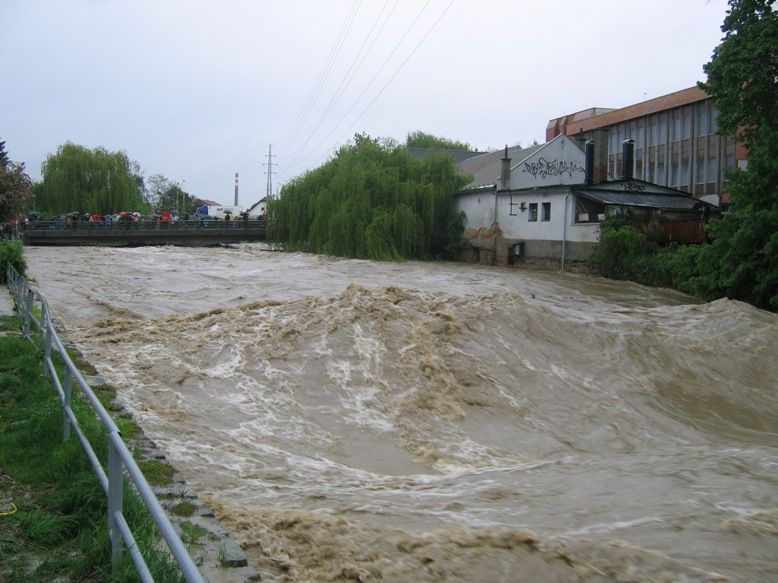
x: 236, y: 189
x: 505, y: 171
x: 628, y: 159
x: 589, y: 153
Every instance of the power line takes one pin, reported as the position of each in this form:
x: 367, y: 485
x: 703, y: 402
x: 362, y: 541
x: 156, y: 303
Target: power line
x: 369, y: 84
x: 322, y: 74
x: 349, y: 76
x: 321, y: 80
x: 369, y: 105
x: 405, y: 61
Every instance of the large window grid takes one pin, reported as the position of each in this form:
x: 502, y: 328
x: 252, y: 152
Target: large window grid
x: 678, y: 148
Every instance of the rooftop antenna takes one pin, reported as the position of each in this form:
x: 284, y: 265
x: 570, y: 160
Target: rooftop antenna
x: 269, y: 171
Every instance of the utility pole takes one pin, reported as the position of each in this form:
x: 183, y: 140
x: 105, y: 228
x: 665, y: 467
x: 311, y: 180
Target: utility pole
x: 269, y: 171
x: 236, y: 189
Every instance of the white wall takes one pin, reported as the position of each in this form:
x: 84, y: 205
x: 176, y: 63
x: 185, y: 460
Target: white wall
x: 515, y: 223
x: 560, y: 161
x: 543, y: 177
x: 478, y: 208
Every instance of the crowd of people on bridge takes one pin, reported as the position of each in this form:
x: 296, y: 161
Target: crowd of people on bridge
x: 130, y: 220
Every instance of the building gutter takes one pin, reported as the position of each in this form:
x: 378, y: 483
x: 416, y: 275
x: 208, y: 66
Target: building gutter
x: 494, y: 227
x: 564, y: 234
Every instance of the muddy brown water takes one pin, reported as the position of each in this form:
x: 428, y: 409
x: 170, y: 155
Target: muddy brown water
x: 354, y: 420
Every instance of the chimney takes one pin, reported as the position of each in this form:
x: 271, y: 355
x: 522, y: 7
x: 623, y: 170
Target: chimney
x: 505, y: 171
x: 600, y: 167
x: 628, y: 159
x: 589, y: 152
x: 236, y: 189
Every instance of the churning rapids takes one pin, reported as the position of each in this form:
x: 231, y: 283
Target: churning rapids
x: 353, y: 420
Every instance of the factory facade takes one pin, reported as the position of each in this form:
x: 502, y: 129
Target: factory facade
x: 676, y: 144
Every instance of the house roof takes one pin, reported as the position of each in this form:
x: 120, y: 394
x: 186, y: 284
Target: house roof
x: 256, y: 204
x: 639, y: 193
x: 485, y: 168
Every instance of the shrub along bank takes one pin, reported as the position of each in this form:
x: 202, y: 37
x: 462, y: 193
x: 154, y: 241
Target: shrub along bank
x: 625, y: 252
x: 52, y: 507
x: 11, y: 252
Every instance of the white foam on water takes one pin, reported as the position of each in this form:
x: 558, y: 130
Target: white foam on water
x: 403, y: 406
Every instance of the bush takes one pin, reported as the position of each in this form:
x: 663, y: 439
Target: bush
x: 623, y: 252
x: 11, y: 252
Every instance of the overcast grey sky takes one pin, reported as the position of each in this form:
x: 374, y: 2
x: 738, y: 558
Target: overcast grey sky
x: 198, y: 89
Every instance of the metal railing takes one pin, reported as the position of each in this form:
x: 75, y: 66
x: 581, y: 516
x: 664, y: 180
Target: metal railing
x: 145, y: 225
x: 119, y: 456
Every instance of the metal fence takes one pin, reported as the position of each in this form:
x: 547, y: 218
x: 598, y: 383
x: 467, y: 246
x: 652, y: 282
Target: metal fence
x: 145, y: 225
x: 40, y: 328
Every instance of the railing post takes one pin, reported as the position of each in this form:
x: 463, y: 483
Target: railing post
x: 67, y: 388
x: 46, y: 328
x: 114, y: 504
x: 27, y: 313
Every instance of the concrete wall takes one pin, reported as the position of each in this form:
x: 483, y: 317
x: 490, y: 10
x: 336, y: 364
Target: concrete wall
x: 541, y: 239
x: 478, y: 208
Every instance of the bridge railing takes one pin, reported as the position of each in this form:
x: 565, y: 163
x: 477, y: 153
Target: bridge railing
x: 37, y: 325
x: 144, y: 225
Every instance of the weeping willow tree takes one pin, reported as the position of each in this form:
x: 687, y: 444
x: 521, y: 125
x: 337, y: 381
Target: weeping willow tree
x: 95, y: 181
x: 371, y: 201
x: 424, y: 140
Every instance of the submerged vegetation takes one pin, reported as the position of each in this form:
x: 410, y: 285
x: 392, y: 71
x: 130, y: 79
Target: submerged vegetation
x: 372, y: 200
x: 626, y: 252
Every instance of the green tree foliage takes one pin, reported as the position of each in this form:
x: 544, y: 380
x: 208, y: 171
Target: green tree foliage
x: 742, y: 260
x: 371, y: 200
x: 15, y: 187
x: 166, y: 195
x: 95, y: 181
x: 422, y: 140
x: 11, y: 252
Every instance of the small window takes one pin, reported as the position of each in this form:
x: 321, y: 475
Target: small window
x: 533, y: 211
x: 545, y: 212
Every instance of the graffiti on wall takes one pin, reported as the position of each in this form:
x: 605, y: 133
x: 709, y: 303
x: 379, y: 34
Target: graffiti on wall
x: 634, y: 187
x: 543, y: 168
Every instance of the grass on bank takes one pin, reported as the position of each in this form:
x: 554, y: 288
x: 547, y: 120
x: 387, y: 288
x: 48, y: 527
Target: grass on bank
x: 52, y: 507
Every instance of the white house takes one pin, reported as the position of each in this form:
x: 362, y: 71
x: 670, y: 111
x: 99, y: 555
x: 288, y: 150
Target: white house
x: 258, y: 209
x: 545, y: 203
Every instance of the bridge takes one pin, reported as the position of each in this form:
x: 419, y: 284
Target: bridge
x: 140, y: 233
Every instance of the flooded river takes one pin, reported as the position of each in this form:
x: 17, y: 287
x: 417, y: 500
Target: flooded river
x: 353, y: 420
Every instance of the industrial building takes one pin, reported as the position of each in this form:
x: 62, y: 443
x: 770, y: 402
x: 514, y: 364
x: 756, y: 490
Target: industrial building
x: 544, y: 204
x: 676, y: 144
